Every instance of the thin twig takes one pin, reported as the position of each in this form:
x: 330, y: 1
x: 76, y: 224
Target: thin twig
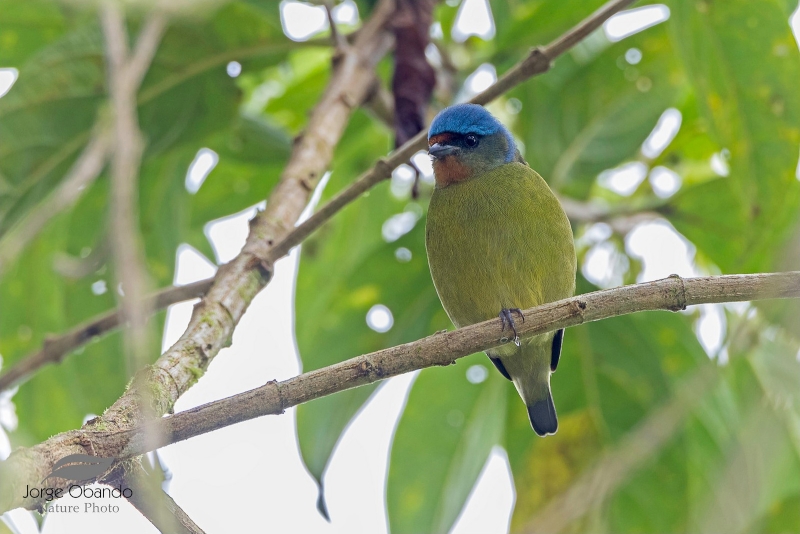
x: 338, y: 39
x: 275, y: 250
x: 380, y: 104
x: 622, y: 219
x: 155, y: 504
x: 28, y: 466
x: 56, y: 348
x: 146, y: 46
x: 125, y: 75
x: 76, y: 268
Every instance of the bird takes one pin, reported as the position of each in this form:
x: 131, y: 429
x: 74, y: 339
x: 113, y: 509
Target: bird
x: 498, y: 241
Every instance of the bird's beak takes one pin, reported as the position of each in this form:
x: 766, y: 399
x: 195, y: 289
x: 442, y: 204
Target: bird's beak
x: 439, y: 150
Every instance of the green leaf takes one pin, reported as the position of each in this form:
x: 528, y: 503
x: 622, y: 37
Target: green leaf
x: 302, y: 81
x: 57, y: 398
x: 783, y: 516
x: 761, y: 469
x: 186, y: 95
x: 593, y: 110
x: 27, y: 27
x: 252, y: 154
x: 521, y: 25
x: 777, y: 368
x: 379, y: 278
x: 750, y: 456
x: 654, y: 499
x: 743, y: 62
x: 447, y: 430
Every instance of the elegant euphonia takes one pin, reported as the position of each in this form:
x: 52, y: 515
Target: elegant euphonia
x: 498, y: 240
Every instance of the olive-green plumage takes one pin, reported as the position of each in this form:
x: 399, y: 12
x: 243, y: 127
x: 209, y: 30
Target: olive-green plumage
x: 498, y: 239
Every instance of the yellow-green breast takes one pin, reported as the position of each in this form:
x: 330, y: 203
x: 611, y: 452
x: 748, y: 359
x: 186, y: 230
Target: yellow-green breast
x: 498, y: 241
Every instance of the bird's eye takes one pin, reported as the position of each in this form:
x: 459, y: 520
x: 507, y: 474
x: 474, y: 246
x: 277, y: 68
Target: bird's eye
x: 471, y: 140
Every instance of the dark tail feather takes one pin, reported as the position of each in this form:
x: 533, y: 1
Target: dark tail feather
x: 542, y: 414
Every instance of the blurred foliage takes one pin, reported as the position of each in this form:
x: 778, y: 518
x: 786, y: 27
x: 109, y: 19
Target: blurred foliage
x: 730, y: 69
x: 187, y: 102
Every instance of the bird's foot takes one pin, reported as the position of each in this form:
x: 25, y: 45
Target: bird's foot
x: 507, y: 319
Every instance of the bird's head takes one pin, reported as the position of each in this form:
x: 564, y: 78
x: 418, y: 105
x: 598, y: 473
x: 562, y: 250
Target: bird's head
x: 465, y: 141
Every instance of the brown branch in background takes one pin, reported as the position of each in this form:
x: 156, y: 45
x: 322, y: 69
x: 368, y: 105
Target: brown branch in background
x: 28, y: 466
x: 125, y: 75
x: 413, y: 79
x: 380, y: 171
x: 614, y: 467
x: 156, y: 504
x: 380, y: 104
x: 76, y: 268
x: 338, y: 39
x: 83, y: 173
x: 56, y: 348
x: 622, y: 219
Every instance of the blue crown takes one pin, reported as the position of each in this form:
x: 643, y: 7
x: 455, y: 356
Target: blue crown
x: 463, y: 119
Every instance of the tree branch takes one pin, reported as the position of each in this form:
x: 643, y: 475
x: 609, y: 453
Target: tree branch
x: 621, y: 218
x: 28, y: 466
x: 537, y: 62
x: 56, y: 348
x: 146, y: 46
x: 125, y: 73
x: 156, y: 504
x: 124, y: 76
x: 337, y: 39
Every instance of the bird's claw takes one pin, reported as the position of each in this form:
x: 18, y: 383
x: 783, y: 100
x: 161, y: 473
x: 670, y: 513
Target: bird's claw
x: 507, y: 319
